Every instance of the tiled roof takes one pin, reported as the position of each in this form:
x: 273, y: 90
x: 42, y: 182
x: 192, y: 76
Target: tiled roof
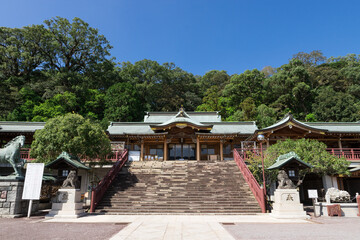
x: 72, y: 160
x: 203, y: 117
x: 286, y: 158
x: 353, y: 127
x: 21, y: 126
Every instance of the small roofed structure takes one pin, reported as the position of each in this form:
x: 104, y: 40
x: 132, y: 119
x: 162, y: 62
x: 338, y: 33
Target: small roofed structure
x: 289, y: 165
x: 64, y: 164
x: 289, y: 160
x: 67, y: 161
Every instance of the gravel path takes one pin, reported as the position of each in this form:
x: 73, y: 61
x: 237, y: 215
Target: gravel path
x: 34, y: 228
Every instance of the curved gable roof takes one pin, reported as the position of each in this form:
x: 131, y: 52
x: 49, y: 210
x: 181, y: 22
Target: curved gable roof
x: 181, y: 117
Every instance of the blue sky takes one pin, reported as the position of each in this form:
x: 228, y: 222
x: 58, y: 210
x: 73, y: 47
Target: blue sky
x: 200, y: 35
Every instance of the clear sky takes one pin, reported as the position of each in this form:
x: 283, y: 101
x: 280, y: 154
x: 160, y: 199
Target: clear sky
x: 202, y: 35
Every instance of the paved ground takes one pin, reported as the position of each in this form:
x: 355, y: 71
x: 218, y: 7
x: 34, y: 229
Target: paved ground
x: 176, y: 227
x: 323, y: 228
x: 163, y: 227
x: 35, y: 228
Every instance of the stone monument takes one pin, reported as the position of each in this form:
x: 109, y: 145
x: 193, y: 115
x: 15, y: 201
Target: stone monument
x: 287, y: 201
x: 11, y: 186
x: 67, y: 202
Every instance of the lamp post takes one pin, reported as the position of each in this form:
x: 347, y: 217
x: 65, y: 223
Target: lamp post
x: 261, y: 138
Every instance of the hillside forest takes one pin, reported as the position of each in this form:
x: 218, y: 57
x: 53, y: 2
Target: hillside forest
x: 64, y: 66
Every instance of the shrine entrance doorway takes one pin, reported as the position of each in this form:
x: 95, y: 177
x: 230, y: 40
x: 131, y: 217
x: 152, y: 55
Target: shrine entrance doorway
x: 182, y: 151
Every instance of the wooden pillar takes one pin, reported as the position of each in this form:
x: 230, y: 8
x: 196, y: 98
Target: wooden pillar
x: 267, y: 143
x: 142, y: 151
x: 197, y: 148
x: 221, y: 150
x: 165, y: 149
x: 340, y: 144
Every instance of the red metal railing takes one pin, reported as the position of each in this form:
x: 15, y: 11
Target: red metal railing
x: 98, y: 192
x: 351, y: 154
x: 250, y: 179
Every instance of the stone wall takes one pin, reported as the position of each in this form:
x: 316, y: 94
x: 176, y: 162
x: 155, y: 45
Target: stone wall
x: 11, y: 203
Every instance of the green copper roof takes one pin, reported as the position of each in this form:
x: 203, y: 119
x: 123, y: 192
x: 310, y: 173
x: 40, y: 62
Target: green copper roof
x: 181, y: 117
x: 69, y: 159
x: 287, y: 158
x: 160, y: 117
x: 25, y: 127
x: 289, y: 118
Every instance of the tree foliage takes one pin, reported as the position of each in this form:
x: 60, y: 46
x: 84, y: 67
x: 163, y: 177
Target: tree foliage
x: 312, y: 152
x: 64, y: 66
x: 71, y: 133
x: 309, y: 151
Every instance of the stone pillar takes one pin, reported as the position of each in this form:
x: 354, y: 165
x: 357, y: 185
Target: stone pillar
x: 142, y: 151
x: 197, y: 148
x: 221, y: 150
x: 165, y: 149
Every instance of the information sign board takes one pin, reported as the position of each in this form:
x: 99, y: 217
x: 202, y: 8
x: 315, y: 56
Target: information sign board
x: 33, y: 181
x: 312, y: 193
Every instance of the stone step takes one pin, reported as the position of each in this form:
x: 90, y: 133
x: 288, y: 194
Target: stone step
x: 179, y: 187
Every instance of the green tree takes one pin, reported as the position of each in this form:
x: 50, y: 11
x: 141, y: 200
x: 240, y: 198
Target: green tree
x: 59, y: 105
x: 213, y: 78
x: 311, y: 59
x: 71, y: 133
x: 290, y: 89
x: 247, y: 84
x: 161, y: 87
x: 211, y: 100
x: 335, y: 106
x: 122, y: 103
x: 72, y: 46
x: 312, y: 152
x: 266, y: 116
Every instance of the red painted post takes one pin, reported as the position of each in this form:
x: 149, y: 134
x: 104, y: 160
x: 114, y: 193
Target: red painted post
x: 352, y: 154
x: 263, y: 168
x: 332, y: 151
x: 358, y: 202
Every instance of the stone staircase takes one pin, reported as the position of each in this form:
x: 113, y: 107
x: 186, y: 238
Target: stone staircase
x: 179, y: 187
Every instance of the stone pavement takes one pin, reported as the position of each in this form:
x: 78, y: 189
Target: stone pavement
x: 164, y: 227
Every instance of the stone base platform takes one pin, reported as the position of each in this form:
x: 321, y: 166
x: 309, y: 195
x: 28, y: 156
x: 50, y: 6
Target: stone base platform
x: 287, y: 205
x: 11, y: 203
x: 347, y: 209
x: 67, y: 204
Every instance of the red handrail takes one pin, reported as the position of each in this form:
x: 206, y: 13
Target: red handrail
x: 351, y: 154
x: 250, y: 179
x: 98, y: 192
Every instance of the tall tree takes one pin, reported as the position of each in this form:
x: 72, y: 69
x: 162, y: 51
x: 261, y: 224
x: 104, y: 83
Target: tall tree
x: 247, y: 84
x: 123, y: 104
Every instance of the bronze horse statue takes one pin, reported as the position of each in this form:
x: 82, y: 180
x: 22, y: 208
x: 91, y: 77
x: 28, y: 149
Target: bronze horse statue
x: 11, y: 154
